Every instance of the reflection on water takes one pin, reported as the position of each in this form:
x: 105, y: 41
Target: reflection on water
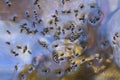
x: 59, y: 40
